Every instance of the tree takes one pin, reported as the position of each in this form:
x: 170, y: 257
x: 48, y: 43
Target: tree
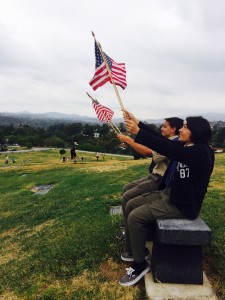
x: 122, y: 127
x: 55, y: 141
x: 88, y: 130
x: 86, y: 146
x: 2, y: 137
x: 221, y: 137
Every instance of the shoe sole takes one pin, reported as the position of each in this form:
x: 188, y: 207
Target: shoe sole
x: 121, y: 237
x: 131, y: 258
x: 129, y: 283
x: 126, y: 258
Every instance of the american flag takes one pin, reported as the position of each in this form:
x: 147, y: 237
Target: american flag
x: 103, y: 113
x: 101, y: 76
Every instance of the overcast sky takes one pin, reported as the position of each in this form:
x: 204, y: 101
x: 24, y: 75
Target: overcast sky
x: 174, y: 52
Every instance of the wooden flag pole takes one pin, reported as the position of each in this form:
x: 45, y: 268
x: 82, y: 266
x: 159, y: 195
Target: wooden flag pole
x: 114, y: 127
x: 109, y: 71
x: 118, y: 131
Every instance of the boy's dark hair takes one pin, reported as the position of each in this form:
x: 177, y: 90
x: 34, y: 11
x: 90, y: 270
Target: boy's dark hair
x: 200, y: 130
x: 175, y: 122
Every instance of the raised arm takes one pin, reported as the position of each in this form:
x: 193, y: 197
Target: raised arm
x: 133, y: 125
x: 143, y: 150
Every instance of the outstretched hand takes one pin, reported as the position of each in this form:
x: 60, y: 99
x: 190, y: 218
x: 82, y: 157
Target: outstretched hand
x: 131, y: 126
x: 128, y: 115
x: 124, y: 138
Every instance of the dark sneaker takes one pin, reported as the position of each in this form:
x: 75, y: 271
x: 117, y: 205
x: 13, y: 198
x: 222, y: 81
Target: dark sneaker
x: 127, y: 256
x: 122, y: 226
x: 121, y: 235
x: 132, y: 276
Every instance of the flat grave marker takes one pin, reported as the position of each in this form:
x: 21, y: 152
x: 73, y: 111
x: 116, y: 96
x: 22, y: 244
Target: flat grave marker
x: 41, y: 189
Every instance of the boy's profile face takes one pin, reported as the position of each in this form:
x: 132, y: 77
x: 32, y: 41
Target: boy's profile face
x: 167, y: 131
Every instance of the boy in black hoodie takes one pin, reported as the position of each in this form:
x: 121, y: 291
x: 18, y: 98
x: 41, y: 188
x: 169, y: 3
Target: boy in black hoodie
x: 180, y: 195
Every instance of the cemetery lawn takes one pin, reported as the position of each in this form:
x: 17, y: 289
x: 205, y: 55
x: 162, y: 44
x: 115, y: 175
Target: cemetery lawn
x: 62, y: 244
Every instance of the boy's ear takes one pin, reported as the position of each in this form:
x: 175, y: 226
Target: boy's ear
x: 174, y: 129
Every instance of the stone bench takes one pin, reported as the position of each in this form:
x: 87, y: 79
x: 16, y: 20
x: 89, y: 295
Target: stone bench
x: 177, y: 250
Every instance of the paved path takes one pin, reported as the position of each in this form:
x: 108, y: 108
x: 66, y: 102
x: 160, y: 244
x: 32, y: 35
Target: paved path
x: 47, y: 149
x: 27, y: 150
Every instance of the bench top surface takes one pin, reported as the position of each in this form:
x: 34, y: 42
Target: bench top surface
x: 183, y: 232
x: 183, y: 224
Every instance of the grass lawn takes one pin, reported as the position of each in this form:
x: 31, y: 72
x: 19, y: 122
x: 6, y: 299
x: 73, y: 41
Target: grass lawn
x: 62, y: 245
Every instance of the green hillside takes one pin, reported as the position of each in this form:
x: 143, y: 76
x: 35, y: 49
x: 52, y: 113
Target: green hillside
x: 62, y: 245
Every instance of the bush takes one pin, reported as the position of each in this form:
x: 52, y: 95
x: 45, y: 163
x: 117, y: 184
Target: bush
x: 3, y: 148
x: 29, y: 145
x: 86, y: 147
x: 62, y: 151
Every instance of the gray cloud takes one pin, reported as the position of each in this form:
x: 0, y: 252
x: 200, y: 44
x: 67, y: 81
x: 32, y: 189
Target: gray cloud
x: 174, y: 51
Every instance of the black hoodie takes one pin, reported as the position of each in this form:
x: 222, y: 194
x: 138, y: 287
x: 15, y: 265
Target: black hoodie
x: 192, y: 175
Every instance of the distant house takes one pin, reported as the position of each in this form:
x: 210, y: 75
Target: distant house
x: 96, y: 135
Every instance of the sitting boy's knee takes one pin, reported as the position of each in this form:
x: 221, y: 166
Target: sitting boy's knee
x: 126, y: 197
x: 126, y: 187
x: 132, y: 217
x: 128, y: 207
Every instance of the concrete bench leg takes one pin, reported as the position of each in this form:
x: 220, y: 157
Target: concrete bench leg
x: 177, y: 263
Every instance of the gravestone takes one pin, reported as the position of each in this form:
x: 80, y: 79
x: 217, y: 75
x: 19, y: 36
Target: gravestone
x: 116, y: 210
x: 41, y: 189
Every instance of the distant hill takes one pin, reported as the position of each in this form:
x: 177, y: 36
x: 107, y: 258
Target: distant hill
x: 45, y: 119
x: 42, y: 119
x: 48, y: 115
x: 211, y: 117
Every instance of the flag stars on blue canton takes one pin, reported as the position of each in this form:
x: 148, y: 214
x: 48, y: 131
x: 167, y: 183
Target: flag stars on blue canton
x: 99, y: 59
